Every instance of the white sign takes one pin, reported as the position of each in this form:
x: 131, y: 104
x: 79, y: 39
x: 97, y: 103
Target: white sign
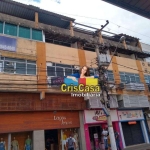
x: 62, y: 119
x: 130, y: 115
x: 98, y: 116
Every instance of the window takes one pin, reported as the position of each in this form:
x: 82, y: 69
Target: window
x: 24, y: 32
x: 60, y: 70
x: 129, y: 77
x: 37, y: 35
x: 1, y: 27
x: 10, y: 29
x: 147, y: 79
x: 18, y: 66
x: 110, y: 75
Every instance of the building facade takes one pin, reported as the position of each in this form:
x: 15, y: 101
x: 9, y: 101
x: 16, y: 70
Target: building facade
x: 37, y: 46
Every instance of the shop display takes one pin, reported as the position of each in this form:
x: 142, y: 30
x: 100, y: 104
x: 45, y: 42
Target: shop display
x: 76, y: 139
x: 2, y: 144
x: 28, y: 143
x: 14, y: 144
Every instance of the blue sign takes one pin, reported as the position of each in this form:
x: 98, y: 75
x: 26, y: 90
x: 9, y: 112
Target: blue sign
x: 8, y: 44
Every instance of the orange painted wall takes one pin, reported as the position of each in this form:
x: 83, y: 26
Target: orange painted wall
x: 41, y: 66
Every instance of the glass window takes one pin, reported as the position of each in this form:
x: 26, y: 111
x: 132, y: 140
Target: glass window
x: 91, y: 70
x: 76, y: 71
x: 60, y: 72
x: 1, y: 66
x: 9, y: 67
x: 1, y: 27
x: 110, y: 75
x: 68, y: 72
x: 51, y: 71
x: 20, y: 68
x: 31, y: 69
x: 24, y: 32
x: 37, y: 35
x: 10, y: 29
x: 129, y: 78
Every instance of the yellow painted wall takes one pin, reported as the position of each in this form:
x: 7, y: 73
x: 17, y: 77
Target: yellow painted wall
x: 61, y: 54
x: 128, y: 63
x: 25, y: 46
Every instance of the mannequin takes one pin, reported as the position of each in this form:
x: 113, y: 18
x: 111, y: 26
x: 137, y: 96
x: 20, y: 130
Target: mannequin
x: 2, y: 144
x: 28, y: 143
x: 14, y: 144
x: 76, y: 139
x: 64, y: 137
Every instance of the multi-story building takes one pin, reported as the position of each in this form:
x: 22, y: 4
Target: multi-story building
x: 36, y: 46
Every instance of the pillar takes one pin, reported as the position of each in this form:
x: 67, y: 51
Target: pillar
x: 38, y: 140
x: 9, y: 141
x: 82, y: 131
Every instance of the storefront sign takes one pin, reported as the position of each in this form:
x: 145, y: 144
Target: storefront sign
x: 62, y: 119
x: 29, y: 121
x: 7, y: 44
x: 95, y: 116
x: 130, y: 115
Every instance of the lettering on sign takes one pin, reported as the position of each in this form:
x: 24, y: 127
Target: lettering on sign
x: 63, y: 120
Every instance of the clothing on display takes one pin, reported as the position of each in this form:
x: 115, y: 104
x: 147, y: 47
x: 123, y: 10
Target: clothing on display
x: 15, y: 145
x: 2, y: 145
x: 28, y: 143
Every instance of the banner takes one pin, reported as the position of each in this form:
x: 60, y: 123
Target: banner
x: 8, y: 44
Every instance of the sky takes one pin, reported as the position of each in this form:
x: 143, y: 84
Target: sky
x: 95, y: 13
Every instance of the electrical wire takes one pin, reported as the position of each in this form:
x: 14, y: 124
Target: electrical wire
x: 109, y: 21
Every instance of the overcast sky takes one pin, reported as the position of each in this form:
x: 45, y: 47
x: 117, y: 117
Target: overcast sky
x: 95, y: 13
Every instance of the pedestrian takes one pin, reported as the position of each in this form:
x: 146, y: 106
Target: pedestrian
x: 117, y: 138
x: 70, y: 143
x: 105, y: 137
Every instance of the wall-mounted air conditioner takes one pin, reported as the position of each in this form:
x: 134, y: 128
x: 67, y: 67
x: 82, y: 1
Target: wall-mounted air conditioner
x: 77, y: 67
x: 135, y: 86
x: 133, y: 101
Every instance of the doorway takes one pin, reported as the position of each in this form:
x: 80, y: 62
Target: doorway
x: 132, y: 133
x: 95, y: 130
x: 51, y: 139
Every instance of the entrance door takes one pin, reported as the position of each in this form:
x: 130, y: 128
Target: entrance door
x: 132, y: 133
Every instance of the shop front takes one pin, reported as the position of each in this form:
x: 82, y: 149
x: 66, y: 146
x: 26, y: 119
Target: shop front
x: 132, y: 127
x: 94, y: 123
x: 39, y: 130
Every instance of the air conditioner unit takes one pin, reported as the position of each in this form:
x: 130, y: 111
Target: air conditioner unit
x: 77, y: 67
x: 49, y: 64
x: 134, y: 101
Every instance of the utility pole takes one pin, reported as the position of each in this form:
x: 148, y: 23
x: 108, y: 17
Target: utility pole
x: 100, y: 50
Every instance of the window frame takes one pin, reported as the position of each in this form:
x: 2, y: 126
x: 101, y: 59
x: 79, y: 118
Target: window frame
x: 129, y: 75
x: 15, y: 62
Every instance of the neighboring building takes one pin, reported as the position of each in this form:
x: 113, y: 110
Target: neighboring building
x: 35, y: 47
x: 146, y: 49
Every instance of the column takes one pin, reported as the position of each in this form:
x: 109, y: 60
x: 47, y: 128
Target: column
x: 82, y: 131
x: 122, y: 136
x: 145, y: 135
x: 9, y: 141
x: 38, y: 140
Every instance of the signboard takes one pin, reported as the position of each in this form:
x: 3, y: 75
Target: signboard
x: 98, y: 116
x: 130, y: 115
x: 8, y: 44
